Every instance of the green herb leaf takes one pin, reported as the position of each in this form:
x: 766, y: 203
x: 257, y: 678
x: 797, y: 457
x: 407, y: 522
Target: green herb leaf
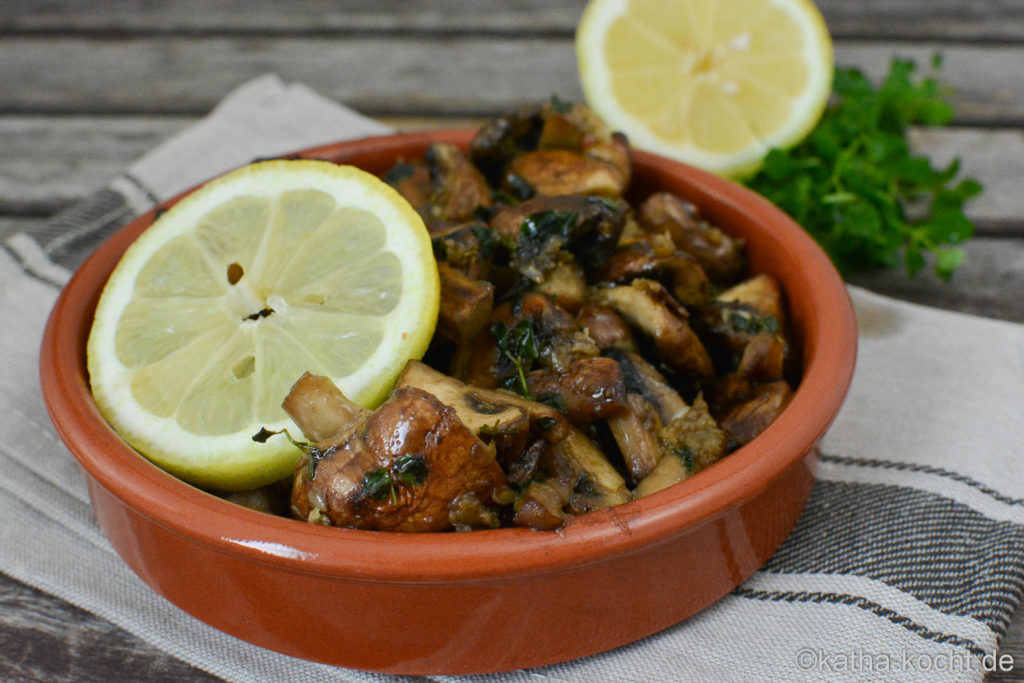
x: 852, y: 181
x: 539, y: 228
x: 685, y: 454
x: 313, y: 452
x: 519, y: 345
x: 377, y: 485
x: 559, y: 105
x: 411, y: 469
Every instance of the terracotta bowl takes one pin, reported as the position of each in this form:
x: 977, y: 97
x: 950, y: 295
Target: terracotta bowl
x: 487, y: 600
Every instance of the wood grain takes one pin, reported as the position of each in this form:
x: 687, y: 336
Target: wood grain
x: 386, y: 75
x: 49, y: 162
x: 42, y: 638
x: 977, y: 20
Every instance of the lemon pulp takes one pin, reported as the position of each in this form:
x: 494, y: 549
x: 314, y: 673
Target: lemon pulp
x: 272, y: 270
x: 715, y: 83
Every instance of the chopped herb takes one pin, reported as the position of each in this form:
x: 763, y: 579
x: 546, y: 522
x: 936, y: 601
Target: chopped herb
x: 541, y: 237
x: 519, y: 188
x: 585, y: 485
x: 607, y: 203
x: 553, y: 400
x: 686, y: 455
x: 314, y: 453
x: 517, y: 291
x: 488, y: 239
x: 483, y: 213
x: 752, y: 324
x: 481, y: 406
x: 378, y: 485
x: 411, y: 469
x: 538, y: 228
x: 519, y: 345
x: 490, y: 430
x: 501, y: 196
x: 559, y: 105
x: 399, y: 172
x: 849, y: 183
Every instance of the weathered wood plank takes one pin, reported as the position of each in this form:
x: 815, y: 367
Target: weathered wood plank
x: 44, y: 638
x: 978, y: 20
x: 48, y: 162
x: 1013, y: 645
x: 468, y: 75
x: 988, y: 283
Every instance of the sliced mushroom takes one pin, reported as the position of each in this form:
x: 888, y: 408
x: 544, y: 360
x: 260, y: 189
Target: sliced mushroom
x: 466, y: 247
x: 560, y: 339
x: 591, y: 237
x: 565, y: 284
x: 459, y: 188
x: 399, y: 470
x: 488, y: 412
x: 647, y: 306
x: 645, y: 259
x: 466, y: 305
x: 695, y: 436
x: 761, y: 293
x: 413, y: 181
x: 479, y: 362
x: 722, y: 257
x: 746, y: 419
x: 606, y: 328
x: 542, y: 505
x: 643, y: 378
x: 503, y: 138
x: 763, y: 359
x: 444, y: 188
x: 556, y: 172
x: 691, y: 442
x: 589, y: 389
x: 669, y: 470
x: 320, y: 409
x: 635, y: 431
x: 738, y: 315
x: 597, y: 484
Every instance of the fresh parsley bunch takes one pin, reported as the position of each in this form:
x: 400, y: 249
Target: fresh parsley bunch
x: 855, y: 186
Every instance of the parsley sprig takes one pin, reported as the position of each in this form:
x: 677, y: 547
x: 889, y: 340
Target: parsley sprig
x: 519, y: 345
x: 855, y: 185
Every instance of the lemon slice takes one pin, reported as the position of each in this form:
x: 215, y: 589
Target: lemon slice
x: 714, y: 83
x: 269, y: 271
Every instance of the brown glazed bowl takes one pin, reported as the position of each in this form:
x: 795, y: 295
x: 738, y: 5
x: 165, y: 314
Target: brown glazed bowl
x: 486, y: 600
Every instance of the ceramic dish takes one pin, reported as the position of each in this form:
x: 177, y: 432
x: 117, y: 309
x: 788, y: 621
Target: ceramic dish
x: 487, y: 600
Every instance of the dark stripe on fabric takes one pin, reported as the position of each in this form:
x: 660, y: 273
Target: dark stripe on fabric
x: 29, y: 271
x: 926, y: 469
x: 141, y: 186
x: 75, y: 232
x: 868, y: 606
x: 942, y: 552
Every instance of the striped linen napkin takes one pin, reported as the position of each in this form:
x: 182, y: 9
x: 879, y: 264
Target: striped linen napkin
x: 907, y: 564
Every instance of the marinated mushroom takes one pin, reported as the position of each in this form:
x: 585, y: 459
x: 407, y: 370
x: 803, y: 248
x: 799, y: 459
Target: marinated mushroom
x: 588, y: 351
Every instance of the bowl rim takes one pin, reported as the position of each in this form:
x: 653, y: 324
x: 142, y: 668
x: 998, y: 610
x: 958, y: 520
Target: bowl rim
x: 480, y: 556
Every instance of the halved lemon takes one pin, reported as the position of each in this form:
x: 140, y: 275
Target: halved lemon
x: 269, y: 271
x: 714, y: 83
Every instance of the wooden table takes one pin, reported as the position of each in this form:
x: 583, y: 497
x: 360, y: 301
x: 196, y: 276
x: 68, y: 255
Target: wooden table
x: 87, y: 87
